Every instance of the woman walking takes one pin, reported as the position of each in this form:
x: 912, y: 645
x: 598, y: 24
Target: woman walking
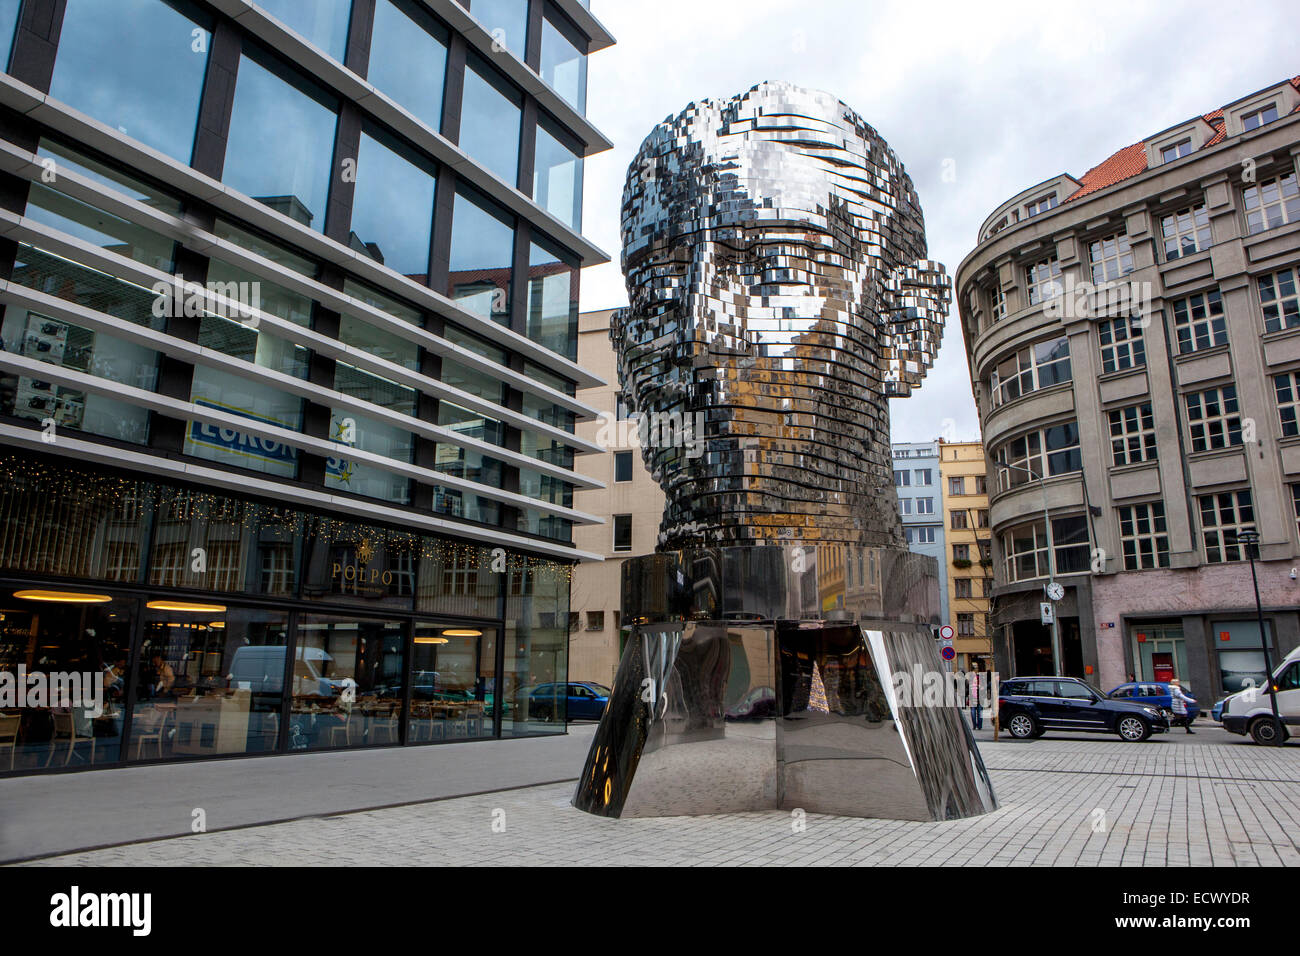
x: 1179, y: 701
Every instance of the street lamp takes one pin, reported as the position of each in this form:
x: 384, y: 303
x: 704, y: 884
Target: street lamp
x: 1051, y: 587
x: 1250, y: 538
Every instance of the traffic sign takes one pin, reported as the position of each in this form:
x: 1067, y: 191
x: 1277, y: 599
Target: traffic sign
x: 948, y: 653
x: 945, y: 632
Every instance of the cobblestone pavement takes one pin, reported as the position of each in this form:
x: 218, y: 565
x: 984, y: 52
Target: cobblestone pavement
x: 1063, y: 802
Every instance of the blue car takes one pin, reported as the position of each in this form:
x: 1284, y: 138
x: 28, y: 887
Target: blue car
x: 1149, y: 692
x: 579, y: 700
x: 1217, y: 712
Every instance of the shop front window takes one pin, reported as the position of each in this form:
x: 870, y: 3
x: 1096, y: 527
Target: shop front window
x: 453, y: 679
x: 348, y: 683
x: 209, y: 680
x: 63, y: 671
x: 536, y: 649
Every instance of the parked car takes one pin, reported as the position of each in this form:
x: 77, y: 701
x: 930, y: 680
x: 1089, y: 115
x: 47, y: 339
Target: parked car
x: 1030, y: 706
x: 580, y: 700
x: 1251, y: 711
x: 1217, y: 711
x: 1153, y: 693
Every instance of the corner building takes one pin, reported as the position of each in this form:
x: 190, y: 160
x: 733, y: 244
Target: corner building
x: 320, y: 494
x: 1152, y: 413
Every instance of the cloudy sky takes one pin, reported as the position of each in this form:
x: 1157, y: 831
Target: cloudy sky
x: 1012, y: 93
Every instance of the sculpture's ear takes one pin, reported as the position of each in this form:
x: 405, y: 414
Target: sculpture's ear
x: 917, y: 297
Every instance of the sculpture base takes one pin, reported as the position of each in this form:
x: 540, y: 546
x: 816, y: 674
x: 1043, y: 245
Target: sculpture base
x: 726, y: 715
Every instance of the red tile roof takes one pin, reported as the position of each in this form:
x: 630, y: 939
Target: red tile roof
x: 1132, y: 160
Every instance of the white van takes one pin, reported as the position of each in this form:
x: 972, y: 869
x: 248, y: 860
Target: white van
x: 260, y: 668
x: 1251, y: 711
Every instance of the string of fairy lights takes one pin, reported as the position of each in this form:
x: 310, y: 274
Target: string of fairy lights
x: 124, y: 499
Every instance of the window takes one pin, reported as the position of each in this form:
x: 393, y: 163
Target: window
x: 981, y: 485
x: 323, y: 23
x: 982, y: 518
x: 557, y: 177
x: 623, y: 466
x: 482, y: 251
x: 1222, y: 516
x: 1122, y: 344
x: 1199, y: 322
x: 902, y: 479
x: 620, y: 407
x: 8, y: 27
x: 1279, y: 300
x: 291, y: 174
x: 1295, y: 504
x: 965, y: 625
x: 392, y: 212
x: 233, y: 393
x: 924, y: 476
x: 564, y: 66
x: 904, y: 506
x: 595, y: 620
x: 379, y: 438
x: 920, y: 535
x: 1213, y: 418
x: 1185, y: 231
x: 1039, y: 366
x: 1176, y: 150
x: 986, y: 549
x: 506, y: 20
x: 997, y: 303
x: 957, y: 520
x: 1143, y: 536
x: 575, y: 620
x: 404, y: 34
x: 1041, y: 205
x: 1132, y: 434
x: 961, y: 552
x: 1025, y: 551
x: 925, y: 506
x: 961, y: 587
x: 1052, y: 451
x: 622, y: 532
x: 1257, y: 118
x: 489, y: 121
x: 1110, y: 258
x: 552, y: 319
x: 957, y: 486
x: 1271, y: 202
x: 1043, y: 280
x: 1287, y: 388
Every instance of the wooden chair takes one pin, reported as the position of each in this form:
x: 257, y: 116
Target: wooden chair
x: 65, y: 728
x: 148, y: 728
x: 9, y: 724
x: 345, y: 729
x: 385, y: 721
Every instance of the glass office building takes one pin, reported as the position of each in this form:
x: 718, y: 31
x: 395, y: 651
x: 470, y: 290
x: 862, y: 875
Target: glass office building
x: 288, y: 398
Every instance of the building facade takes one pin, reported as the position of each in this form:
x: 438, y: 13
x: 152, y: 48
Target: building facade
x: 967, y: 562
x: 631, y: 503
x: 1133, y: 338
x: 920, y: 505
x: 288, y: 390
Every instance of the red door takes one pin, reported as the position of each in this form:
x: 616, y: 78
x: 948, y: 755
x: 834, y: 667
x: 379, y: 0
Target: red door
x: 1163, y: 665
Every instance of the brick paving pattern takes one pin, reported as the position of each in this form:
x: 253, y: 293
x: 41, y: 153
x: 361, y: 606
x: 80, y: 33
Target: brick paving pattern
x: 1063, y: 803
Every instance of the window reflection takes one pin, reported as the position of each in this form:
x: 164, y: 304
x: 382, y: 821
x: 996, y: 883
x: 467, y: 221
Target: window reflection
x: 506, y: 20
x: 482, y: 250
x: 210, y: 680
x: 323, y: 23
x: 536, y: 639
x: 490, y: 120
x: 564, y: 67
x: 557, y: 179
x: 226, y: 392
x: 368, y: 434
x: 552, y: 301
x: 136, y: 66
x: 281, y: 141
x: 404, y: 34
x: 452, y: 676
x: 392, y: 211
x: 81, y: 647
x: 347, y: 683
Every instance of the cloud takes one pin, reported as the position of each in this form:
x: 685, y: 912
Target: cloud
x: 1011, y: 94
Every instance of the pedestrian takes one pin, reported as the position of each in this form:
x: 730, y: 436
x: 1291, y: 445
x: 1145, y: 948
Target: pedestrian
x: 976, y: 711
x: 1179, y: 702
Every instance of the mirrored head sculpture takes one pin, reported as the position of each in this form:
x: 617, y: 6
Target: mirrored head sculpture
x: 775, y: 258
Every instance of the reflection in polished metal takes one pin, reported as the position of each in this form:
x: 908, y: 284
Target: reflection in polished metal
x: 774, y: 252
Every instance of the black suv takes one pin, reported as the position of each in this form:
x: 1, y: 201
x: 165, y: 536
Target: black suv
x: 1030, y: 706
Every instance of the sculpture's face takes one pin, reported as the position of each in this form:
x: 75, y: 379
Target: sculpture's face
x: 772, y: 249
